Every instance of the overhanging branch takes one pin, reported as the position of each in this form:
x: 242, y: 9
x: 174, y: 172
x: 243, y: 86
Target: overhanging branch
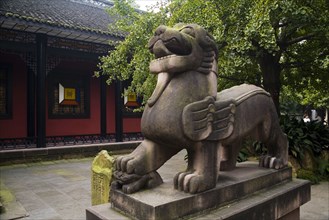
x: 299, y: 39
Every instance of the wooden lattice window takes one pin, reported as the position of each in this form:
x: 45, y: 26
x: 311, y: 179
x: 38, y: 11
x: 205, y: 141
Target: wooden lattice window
x: 5, y: 91
x: 68, y: 96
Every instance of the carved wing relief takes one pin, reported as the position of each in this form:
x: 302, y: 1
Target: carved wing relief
x: 209, y: 119
x: 223, y: 124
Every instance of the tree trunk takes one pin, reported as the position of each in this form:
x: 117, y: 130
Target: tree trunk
x: 271, y: 70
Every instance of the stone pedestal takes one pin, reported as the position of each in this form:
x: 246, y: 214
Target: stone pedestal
x: 248, y: 192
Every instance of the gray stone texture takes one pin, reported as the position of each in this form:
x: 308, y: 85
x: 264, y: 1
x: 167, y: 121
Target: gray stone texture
x: 259, y: 192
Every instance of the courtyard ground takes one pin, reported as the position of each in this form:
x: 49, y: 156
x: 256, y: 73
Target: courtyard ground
x: 61, y: 190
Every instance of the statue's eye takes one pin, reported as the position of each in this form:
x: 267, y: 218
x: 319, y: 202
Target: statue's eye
x: 189, y: 31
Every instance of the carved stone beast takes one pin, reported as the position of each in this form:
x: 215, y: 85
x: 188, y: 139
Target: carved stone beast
x: 185, y: 111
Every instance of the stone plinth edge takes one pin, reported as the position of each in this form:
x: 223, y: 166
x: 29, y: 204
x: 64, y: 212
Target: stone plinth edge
x: 257, y: 190
x: 164, y: 202
x: 281, y: 202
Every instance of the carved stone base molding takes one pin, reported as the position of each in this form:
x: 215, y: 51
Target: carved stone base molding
x: 248, y: 192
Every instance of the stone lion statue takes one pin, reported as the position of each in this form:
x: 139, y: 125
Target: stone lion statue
x: 186, y: 112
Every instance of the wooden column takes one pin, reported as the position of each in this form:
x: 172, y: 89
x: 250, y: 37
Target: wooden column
x: 103, y: 105
x: 41, y: 89
x: 118, y: 112
x: 30, y: 103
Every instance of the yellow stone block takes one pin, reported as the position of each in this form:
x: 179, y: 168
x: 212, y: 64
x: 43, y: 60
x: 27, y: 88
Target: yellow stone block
x: 102, y: 168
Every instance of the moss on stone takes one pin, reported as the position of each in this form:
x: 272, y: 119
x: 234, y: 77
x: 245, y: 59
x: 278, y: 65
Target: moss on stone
x: 308, y: 175
x: 6, y: 197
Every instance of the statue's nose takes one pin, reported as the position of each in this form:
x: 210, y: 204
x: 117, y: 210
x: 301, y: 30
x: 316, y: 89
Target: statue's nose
x: 160, y: 30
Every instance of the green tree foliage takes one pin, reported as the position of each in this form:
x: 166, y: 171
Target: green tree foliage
x: 270, y: 43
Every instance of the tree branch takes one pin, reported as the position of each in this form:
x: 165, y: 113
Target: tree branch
x: 286, y: 33
x: 299, y: 39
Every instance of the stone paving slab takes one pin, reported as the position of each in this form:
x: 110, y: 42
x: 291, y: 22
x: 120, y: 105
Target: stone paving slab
x: 51, y: 190
x: 19, y: 212
x: 61, y: 189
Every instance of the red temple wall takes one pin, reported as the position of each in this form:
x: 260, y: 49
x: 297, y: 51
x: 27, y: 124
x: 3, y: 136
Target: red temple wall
x: 131, y: 125
x: 91, y: 125
x: 16, y: 127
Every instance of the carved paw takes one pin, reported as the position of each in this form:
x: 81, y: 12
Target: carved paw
x: 271, y: 162
x: 179, y: 180
x: 129, y: 164
x: 127, y: 188
x: 193, y: 183
x: 130, y: 183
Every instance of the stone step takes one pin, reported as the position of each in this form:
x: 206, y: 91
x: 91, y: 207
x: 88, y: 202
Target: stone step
x: 246, y: 179
x: 280, y: 202
x: 164, y: 202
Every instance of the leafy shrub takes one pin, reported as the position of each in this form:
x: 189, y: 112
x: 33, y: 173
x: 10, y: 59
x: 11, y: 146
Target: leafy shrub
x: 243, y: 155
x: 303, y: 136
x: 311, y: 137
x: 308, y: 175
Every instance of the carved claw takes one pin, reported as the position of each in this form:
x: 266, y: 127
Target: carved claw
x: 179, y: 180
x: 129, y: 164
x: 125, y: 178
x: 130, y: 183
x: 193, y: 183
x: 271, y: 162
x: 121, y: 162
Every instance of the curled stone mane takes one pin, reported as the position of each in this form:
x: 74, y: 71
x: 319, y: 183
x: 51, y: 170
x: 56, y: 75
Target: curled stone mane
x: 210, y: 51
x: 208, y: 62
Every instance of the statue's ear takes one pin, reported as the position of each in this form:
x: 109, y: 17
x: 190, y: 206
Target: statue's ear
x: 207, y: 41
x: 212, y: 44
x: 179, y: 25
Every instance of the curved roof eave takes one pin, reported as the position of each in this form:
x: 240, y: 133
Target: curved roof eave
x: 70, y: 19
x: 65, y: 31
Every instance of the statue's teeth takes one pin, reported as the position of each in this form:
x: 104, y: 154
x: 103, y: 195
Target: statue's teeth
x: 166, y: 57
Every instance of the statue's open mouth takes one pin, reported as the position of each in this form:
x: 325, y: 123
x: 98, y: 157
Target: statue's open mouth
x: 165, y: 47
x: 171, y: 49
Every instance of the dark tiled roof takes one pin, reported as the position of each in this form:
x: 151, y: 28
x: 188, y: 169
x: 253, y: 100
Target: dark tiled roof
x: 78, y: 15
